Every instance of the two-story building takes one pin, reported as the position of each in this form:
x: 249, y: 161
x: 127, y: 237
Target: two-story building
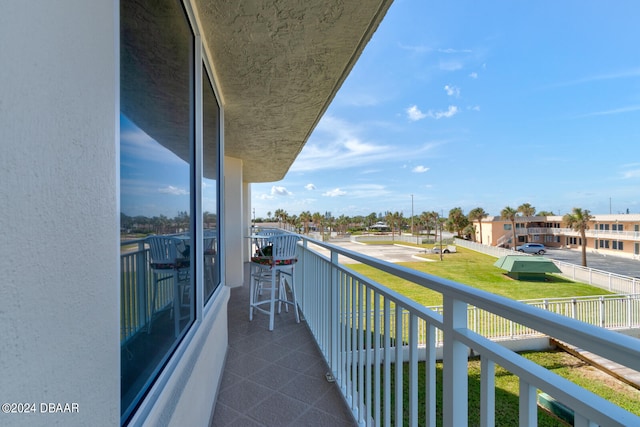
x: 612, y: 234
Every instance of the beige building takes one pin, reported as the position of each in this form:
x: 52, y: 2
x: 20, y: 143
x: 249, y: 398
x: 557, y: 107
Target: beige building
x: 617, y: 234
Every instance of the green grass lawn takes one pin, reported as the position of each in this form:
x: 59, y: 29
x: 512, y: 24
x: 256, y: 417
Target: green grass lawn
x: 507, y: 389
x: 476, y: 270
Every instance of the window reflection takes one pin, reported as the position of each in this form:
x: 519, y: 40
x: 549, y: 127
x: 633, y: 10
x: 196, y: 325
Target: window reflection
x: 156, y: 181
x: 210, y: 143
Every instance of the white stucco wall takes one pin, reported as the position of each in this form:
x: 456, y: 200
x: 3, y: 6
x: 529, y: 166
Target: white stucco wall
x: 59, y: 257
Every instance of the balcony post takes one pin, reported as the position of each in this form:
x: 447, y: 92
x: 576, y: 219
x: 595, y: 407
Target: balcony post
x: 455, y: 365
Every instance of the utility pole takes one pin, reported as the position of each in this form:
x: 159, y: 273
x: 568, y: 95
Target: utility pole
x: 412, y: 214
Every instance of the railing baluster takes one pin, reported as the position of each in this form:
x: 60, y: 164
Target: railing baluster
x: 399, y: 365
x: 360, y: 353
x: 353, y: 341
x: 377, y: 414
x: 528, y: 405
x: 369, y: 329
x: 413, y: 370
x: 487, y: 392
x: 430, y: 375
x: 387, y: 362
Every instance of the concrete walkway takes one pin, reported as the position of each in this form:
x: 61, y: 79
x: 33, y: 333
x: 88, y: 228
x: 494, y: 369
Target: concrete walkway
x: 616, y: 370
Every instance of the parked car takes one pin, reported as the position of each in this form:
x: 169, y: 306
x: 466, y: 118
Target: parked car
x: 532, y: 248
x: 445, y: 249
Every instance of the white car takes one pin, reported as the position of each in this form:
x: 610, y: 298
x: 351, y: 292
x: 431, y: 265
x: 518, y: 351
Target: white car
x: 532, y: 248
x: 445, y: 249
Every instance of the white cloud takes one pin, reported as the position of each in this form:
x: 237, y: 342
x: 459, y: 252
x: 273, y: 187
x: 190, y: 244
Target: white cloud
x: 451, y: 111
x: 450, y: 50
x: 280, y: 191
x: 473, y: 75
x: 452, y: 90
x: 419, y: 169
x: 474, y: 108
x: 416, y: 49
x: 631, y: 173
x: 310, y: 187
x: 334, y: 193
x: 175, y: 191
x: 621, y: 110
x: 415, y: 114
x: 337, y: 144
x: 450, y: 65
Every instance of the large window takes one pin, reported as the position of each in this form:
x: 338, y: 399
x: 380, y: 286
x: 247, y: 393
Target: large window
x: 211, y: 167
x: 157, y: 197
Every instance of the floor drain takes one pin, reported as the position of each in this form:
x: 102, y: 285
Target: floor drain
x: 330, y: 378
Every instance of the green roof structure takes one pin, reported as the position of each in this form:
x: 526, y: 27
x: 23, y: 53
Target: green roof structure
x: 521, y: 267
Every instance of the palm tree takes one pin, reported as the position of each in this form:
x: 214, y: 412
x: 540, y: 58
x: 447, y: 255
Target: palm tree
x: 457, y: 221
x: 510, y: 214
x: 478, y: 214
x: 305, y: 217
x: 527, y: 210
x: 280, y: 215
x: 579, y: 221
x: 318, y: 221
x: 429, y: 220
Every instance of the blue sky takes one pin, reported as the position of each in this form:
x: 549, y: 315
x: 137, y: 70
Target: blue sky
x: 489, y: 104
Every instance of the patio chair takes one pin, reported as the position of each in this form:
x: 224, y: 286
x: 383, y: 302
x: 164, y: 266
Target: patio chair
x: 271, y: 270
x: 167, y: 262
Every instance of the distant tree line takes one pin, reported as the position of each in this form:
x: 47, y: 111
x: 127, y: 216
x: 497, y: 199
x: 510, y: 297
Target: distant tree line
x: 162, y: 224
x: 428, y: 222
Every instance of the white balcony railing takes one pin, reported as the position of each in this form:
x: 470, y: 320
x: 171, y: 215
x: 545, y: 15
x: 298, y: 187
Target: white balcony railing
x: 358, y: 324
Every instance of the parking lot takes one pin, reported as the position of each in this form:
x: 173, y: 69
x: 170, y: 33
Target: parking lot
x: 612, y: 264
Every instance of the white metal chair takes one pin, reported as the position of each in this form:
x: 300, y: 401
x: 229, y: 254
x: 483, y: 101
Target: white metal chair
x: 262, y: 248
x: 167, y: 261
x: 272, y: 268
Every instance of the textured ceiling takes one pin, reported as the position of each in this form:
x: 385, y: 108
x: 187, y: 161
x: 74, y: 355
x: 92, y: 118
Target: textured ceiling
x: 278, y: 65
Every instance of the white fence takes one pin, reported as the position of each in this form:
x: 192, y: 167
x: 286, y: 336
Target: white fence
x: 609, y: 281
x: 357, y: 323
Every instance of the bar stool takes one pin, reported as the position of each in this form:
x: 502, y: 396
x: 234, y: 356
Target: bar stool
x: 271, y: 269
x: 165, y: 261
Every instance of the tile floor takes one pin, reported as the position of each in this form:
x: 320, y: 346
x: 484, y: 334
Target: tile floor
x: 274, y: 378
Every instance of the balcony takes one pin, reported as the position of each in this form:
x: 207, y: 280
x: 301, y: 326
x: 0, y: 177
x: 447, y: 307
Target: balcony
x: 353, y: 328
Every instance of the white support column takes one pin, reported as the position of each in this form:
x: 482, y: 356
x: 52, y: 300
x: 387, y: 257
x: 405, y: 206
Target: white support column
x: 455, y: 366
